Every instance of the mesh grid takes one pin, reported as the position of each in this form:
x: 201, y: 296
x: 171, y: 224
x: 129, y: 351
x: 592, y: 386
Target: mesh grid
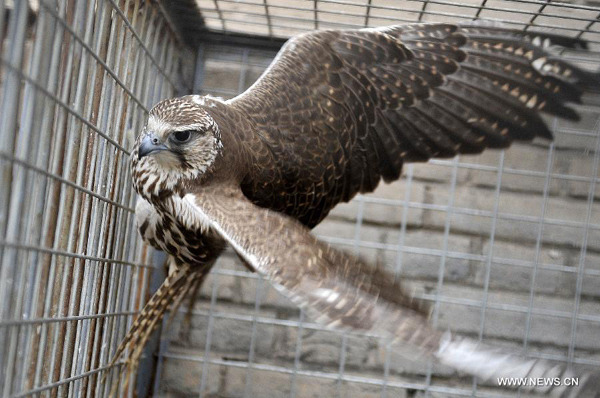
x: 280, y: 18
x: 504, y: 244
x: 77, y: 79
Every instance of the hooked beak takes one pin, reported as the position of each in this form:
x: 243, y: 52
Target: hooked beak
x: 150, y: 144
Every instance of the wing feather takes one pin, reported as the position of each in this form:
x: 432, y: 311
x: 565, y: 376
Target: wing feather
x: 342, y: 292
x: 404, y: 93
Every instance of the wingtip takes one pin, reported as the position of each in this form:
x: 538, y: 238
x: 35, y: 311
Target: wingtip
x: 569, y: 114
x: 546, y: 134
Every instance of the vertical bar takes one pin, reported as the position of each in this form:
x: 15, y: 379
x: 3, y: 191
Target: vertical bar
x: 209, y: 331
x: 163, y: 345
x: 120, y: 276
x: 534, y: 17
x: 269, y: 24
x: 28, y: 138
x: 62, y: 139
x: 538, y: 244
x: 316, y: 14
x: 220, y: 13
x: 398, y: 267
x: 490, y: 256
x: 422, y: 12
x: 251, y: 352
x: 368, y: 13
x: 51, y: 219
x: 297, y: 353
x: 199, y: 70
x: 584, y: 243
x: 442, y: 267
x: 10, y: 198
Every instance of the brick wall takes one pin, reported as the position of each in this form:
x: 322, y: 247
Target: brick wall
x: 512, y: 255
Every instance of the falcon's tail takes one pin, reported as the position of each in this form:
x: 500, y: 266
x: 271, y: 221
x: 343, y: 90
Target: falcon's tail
x: 511, y: 370
x: 169, y: 294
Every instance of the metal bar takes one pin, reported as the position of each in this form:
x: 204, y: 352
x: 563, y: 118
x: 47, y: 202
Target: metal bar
x: 300, y: 329
x: 207, y: 346
x: 490, y: 255
x: 339, y: 25
x: 96, y: 57
x: 398, y: 267
x: 63, y: 59
x: 139, y: 40
x: 572, y: 6
x: 316, y: 13
x: 11, y: 198
x: 62, y: 104
x: 536, y: 14
x: 20, y: 207
x: 268, y: 17
x: 37, y: 321
x: 76, y: 91
x: 333, y: 376
x: 584, y: 245
x: 253, y: 336
x: 454, y: 254
x: 368, y: 13
x: 429, y: 297
x: 220, y: 13
x: 62, y: 180
x: 442, y: 266
x: 60, y: 383
x: 423, y: 11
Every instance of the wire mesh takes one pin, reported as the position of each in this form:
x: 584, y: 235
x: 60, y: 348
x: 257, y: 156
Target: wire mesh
x: 505, y: 244
x: 76, y: 81
x: 280, y: 18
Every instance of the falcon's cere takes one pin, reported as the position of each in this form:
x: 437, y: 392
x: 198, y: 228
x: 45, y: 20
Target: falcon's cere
x: 336, y: 112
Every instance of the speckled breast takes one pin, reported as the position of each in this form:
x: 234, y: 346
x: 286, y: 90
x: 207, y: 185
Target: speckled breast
x: 160, y: 229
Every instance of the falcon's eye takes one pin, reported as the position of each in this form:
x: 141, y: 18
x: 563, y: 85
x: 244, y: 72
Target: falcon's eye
x: 181, y: 137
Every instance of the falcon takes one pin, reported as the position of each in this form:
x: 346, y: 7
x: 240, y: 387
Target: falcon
x: 336, y: 112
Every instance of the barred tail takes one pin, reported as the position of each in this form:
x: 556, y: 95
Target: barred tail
x: 169, y: 294
x: 153, y: 311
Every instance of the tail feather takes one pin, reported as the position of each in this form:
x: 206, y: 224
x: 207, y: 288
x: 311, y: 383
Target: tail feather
x: 154, y: 308
x: 493, y: 364
x: 193, y: 285
x: 177, y: 293
x: 169, y: 295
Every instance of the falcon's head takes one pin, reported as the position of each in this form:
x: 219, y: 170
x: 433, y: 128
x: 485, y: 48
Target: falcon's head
x: 179, y: 143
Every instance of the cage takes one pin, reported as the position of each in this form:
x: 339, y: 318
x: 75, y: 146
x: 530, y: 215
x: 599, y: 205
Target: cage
x: 505, y: 245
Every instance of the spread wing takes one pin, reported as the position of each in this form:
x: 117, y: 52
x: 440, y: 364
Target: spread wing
x: 341, y: 109
x: 340, y: 291
x: 335, y: 289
